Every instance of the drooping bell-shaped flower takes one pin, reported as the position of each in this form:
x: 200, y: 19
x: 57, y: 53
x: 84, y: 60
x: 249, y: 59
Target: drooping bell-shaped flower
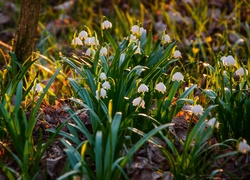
x: 213, y: 123
x: 103, y: 51
x: 241, y: 72
x: 103, y: 76
x: 197, y: 109
x: 142, y: 88
x: 106, y: 24
x: 38, y: 88
x: 166, y: 39
x: 139, y: 102
x: 177, y: 54
x: 177, y: 77
x: 76, y: 41
x: 106, y: 85
x: 228, y: 61
x: 160, y: 87
x: 243, y: 147
x: 83, y: 35
x: 103, y: 93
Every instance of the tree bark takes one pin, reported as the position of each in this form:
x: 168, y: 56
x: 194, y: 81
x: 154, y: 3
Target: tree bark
x: 26, y: 30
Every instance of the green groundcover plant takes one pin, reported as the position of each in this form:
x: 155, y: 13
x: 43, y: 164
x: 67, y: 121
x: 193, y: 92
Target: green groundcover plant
x: 121, y: 85
x: 126, y: 91
x: 232, y: 96
x: 133, y: 86
x: 16, y: 126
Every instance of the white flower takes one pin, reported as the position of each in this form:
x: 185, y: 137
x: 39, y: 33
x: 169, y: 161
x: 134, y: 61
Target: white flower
x: 103, y: 93
x: 106, y: 85
x: 106, y: 24
x: 91, y: 41
x: 177, y: 54
x: 135, y: 30
x: 103, y: 51
x: 166, y: 39
x: 38, y: 88
x: 228, y: 61
x: 160, y: 87
x: 139, y: 102
x: 76, y: 41
x: 143, y: 88
x: 240, y: 72
x: 178, y: 77
x: 103, y: 76
x: 243, y: 147
x: 90, y: 52
x: 213, y: 123
x: 132, y: 38
x: 197, y: 109
x: 83, y: 35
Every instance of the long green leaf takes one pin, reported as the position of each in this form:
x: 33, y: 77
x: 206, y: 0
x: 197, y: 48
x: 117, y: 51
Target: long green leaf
x: 98, y: 155
x: 111, y: 40
x: 33, y: 116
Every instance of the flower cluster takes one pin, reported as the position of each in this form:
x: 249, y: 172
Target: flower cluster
x: 92, y: 41
x: 105, y: 86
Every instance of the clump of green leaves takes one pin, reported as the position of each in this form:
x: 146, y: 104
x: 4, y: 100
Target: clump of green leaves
x: 16, y: 127
x: 118, y: 84
x: 231, y: 96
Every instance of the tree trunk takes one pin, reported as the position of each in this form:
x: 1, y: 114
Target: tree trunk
x: 26, y: 30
